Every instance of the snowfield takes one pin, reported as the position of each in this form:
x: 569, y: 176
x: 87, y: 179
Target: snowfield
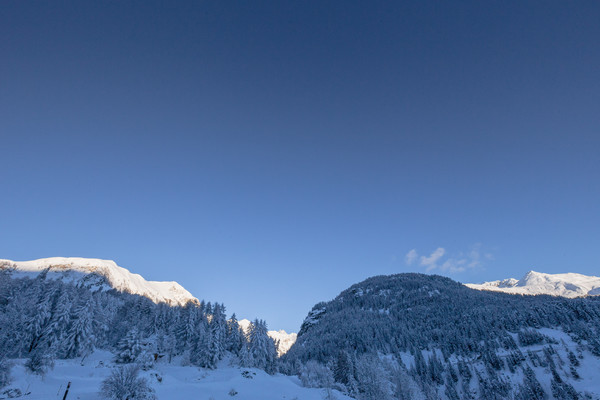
x: 170, y: 381
x: 565, y: 285
x: 80, y: 271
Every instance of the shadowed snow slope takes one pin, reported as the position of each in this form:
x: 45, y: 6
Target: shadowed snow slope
x: 565, y: 285
x: 99, y: 274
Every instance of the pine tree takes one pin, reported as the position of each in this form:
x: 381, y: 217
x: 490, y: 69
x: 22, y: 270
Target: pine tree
x: 80, y: 338
x: 201, y: 353
x: 187, y: 333
x: 235, y: 336
x: 218, y: 334
x: 129, y: 348
x: 343, y: 369
x: 40, y: 360
x: 573, y: 359
x: 36, y: 325
x: 531, y: 388
x: 5, y: 367
x: 57, y: 328
x: 562, y: 390
x: 261, y: 352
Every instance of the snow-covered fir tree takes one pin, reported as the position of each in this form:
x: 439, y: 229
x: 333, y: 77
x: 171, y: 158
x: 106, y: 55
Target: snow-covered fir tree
x: 235, y: 336
x: 260, y: 351
x: 80, y: 337
x: 130, y: 347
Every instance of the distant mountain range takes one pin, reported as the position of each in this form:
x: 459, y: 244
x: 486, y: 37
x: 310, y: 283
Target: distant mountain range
x: 405, y: 336
x: 97, y: 274
x: 565, y: 285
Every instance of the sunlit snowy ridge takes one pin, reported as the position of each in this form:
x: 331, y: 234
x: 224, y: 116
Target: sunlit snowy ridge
x: 566, y: 285
x: 97, y: 274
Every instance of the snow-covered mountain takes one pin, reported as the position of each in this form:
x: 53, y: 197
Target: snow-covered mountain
x: 442, y: 340
x: 565, y: 285
x: 97, y: 274
x: 286, y: 340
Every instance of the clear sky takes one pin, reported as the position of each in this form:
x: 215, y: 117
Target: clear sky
x: 270, y: 154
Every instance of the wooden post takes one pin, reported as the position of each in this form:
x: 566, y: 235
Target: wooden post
x: 67, y: 391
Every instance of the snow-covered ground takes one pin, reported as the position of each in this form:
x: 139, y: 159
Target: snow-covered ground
x: 566, y: 285
x: 79, y: 270
x: 170, y: 381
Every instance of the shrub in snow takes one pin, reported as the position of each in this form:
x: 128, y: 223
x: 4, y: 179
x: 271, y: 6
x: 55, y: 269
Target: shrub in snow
x: 129, y: 347
x: 248, y: 374
x: 4, y: 372
x: 124, y: 383
x: 145, y: 360
x: 314, y: 374
x: 232, y: 392
x: 39, y: 361
x: 372, y: 379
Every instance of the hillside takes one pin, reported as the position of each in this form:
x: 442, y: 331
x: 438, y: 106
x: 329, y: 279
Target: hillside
x: 445, y: 340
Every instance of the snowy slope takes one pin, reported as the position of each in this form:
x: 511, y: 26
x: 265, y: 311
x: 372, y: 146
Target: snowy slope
x: 100, y: 275
x: 566, y: 285
x: 170, y: 382
x: 286, y: 340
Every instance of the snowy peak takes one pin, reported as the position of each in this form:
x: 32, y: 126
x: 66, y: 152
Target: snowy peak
x: 286, y: 340
x: 97, y: 274
x: 565, y: 285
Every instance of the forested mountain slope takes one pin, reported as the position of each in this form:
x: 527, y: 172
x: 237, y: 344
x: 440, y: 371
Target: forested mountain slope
x: 430, y: 337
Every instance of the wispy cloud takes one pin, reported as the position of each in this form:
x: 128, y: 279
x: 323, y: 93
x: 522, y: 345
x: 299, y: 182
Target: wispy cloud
x: 453, y: 264
x: 411, y: 257
x: 430, y: 263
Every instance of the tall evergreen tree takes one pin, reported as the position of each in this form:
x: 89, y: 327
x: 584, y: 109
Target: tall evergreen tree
x: 235, y: 336
x: 343, y: 370
x: 261, y: 352
x: 80, y: 337
x: 36, y: 325
x: 129, y: 348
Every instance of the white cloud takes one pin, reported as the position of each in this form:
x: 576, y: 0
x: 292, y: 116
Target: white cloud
x: 431, y: 262
x: 460, y: 262
x: 411, y: 257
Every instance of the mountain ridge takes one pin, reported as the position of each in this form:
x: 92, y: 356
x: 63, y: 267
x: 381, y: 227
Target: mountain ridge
x: 109, y: 275
x: 569, y: 285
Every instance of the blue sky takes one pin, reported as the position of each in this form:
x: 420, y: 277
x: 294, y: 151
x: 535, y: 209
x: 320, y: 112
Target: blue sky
x: 270, y: 154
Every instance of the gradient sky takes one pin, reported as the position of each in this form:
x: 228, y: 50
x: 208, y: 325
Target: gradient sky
x: 270, y: 154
